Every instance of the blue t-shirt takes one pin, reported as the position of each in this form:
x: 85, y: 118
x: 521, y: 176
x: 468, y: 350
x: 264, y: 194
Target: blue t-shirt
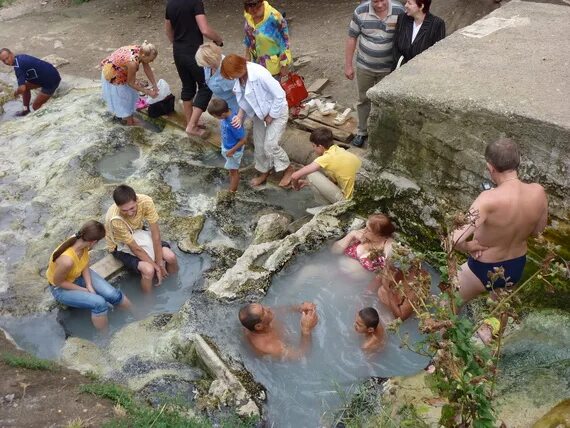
x: 230, y: 135
x: 34, y: 70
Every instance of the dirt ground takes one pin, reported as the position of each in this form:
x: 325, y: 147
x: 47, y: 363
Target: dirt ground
x: 85, y: 33
x: 46, y: 398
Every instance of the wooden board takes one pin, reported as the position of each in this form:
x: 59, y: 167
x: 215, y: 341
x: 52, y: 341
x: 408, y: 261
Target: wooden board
x: 338, y: 134
x: 349, y: 126
x: 317, y: 85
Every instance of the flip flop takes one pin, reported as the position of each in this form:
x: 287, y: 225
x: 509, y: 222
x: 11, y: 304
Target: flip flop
x: 341, y: 118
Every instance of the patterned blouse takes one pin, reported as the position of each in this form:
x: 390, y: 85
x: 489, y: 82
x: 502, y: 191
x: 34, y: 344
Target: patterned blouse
x: 114, y: 67
x: 268, y: 40
x: 368, y: 264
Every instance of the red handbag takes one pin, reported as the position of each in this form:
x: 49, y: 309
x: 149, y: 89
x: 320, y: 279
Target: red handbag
x: 295, y: 90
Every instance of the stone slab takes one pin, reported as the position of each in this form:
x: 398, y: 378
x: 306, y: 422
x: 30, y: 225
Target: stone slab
x: 107, y: 267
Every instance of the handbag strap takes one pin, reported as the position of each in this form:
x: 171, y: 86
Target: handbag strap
x: 111, y: 234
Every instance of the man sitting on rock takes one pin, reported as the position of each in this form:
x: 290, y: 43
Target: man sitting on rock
x: 505, y: 217
x: 266, y: 334
x: 339, y: 165
x: 32, y: 73
x: 141, y: 251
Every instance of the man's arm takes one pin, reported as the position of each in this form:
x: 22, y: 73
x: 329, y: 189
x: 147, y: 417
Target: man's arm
x: 169, y: 30
x: 157, y: 245
x: 235, y: 148
x: 543, y: 221
x: 307, y: 169
x: 349, y: 48
x: 462, y: 234
x: 208, y: 31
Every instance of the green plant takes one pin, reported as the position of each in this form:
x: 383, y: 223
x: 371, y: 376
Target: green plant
x: 27, y: 362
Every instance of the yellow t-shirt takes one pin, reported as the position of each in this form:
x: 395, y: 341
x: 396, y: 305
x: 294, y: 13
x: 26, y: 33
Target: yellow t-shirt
x: 341, y: 166
x: 79, y: 265
x: 119, y: 230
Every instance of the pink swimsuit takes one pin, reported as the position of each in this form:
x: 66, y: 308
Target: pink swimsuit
x: 370, y: 265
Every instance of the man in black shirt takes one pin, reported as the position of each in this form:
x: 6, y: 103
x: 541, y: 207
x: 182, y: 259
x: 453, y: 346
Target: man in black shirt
x: 186, y: 25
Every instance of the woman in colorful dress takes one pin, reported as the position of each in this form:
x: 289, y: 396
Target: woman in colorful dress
x: 75, y: 285
x: 209, y: 56
x: 119, y: 83
x: 267, y: 37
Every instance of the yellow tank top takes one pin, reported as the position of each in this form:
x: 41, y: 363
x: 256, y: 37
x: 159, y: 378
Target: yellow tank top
x: 79, y: 264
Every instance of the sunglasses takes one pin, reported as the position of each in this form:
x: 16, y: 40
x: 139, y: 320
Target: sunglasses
x: 253, y: 5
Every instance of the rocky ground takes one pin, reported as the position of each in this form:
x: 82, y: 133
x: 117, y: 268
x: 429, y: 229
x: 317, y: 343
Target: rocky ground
x: 46, y: 398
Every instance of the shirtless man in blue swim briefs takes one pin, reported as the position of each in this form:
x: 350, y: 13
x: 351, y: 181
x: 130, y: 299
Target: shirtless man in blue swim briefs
x: 507, y: 216
x: 32, y: 73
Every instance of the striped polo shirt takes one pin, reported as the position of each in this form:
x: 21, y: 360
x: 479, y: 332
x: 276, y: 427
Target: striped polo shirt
x: 376, y: 35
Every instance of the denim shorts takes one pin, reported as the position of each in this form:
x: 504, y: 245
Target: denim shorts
x: 234, y: 161
x: 130, y: 261
x: 98, y: 303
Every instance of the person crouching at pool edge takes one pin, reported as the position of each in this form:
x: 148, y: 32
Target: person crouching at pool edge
x: 367, y: 322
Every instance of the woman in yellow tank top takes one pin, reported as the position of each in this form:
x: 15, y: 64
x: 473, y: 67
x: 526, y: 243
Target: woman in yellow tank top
x: 75, y: 285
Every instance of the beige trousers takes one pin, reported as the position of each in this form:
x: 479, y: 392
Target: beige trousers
x: 267, y: 151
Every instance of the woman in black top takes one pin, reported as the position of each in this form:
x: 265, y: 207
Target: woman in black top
x: 416, y: 31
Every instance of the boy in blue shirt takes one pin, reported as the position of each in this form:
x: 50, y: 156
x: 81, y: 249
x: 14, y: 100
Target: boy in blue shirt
x: 233, y: 139
x: 32, y: 73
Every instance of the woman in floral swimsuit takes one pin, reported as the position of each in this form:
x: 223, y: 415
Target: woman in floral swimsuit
x: 118, y: 79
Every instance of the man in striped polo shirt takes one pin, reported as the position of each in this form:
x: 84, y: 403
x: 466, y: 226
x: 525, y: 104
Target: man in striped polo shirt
x: 372, y: 28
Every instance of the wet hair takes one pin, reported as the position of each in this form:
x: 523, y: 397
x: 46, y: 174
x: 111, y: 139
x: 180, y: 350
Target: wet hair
x: 248, y: 318
x: 217, y: 107
x: 5, y: 50
x: 503, y: 154
x: 90, y: 231
x: 425, y: 3
x: 148, y: 50
x: 233, y: 66
x: 381, y: 225
x: 208, y: 55
x: 123, y: 194
x: 370, y: 317
x: 322, y: 137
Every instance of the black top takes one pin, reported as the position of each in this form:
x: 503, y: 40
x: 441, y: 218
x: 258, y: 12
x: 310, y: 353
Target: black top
x: 431, y: 31
x: 182, y: 16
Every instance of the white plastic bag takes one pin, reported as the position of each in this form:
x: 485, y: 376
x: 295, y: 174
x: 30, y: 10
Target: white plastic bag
x: 163, y: 92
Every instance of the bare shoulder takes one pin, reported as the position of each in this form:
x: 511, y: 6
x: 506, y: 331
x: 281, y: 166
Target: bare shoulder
x: 64, y: 261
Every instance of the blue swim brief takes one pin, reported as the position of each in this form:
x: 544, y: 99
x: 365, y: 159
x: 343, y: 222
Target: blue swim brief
x: 234, y: 161
x: 513, y: 271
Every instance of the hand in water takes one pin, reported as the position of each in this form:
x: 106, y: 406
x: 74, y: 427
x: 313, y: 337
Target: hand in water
x: 307, y: 306
x: 159, y: 273
x: 309, y: 320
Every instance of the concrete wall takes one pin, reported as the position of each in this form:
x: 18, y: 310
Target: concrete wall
x: 505, y: 75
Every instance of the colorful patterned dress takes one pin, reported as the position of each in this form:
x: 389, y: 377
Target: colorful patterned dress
x: 120, y: 98
x: 268, y: 40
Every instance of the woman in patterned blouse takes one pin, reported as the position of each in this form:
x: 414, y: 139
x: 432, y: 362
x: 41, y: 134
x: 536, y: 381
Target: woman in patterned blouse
x: 118, y: 79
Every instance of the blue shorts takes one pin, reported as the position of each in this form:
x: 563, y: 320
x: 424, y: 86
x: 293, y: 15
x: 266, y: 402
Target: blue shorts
x: 234, y: 161
x: 49, y: 88
x: 130, y: 261
x: 513, y: 271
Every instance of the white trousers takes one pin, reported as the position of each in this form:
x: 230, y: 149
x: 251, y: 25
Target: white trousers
x: 267, y: 151
x: 325, y: 191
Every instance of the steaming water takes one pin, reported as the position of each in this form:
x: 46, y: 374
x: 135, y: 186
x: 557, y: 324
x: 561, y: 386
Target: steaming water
x: 300, y: 392
x: 119, y: 165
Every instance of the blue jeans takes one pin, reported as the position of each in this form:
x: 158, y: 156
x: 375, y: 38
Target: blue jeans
x: 86, y: 300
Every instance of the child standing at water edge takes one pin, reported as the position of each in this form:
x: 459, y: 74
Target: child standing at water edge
x: 233, y: 139
x: 367, y: 322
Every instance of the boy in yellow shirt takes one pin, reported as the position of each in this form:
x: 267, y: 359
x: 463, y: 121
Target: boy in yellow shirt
x: 339, y: 165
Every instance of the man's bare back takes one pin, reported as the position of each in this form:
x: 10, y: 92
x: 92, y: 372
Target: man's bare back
x: 505, y: 217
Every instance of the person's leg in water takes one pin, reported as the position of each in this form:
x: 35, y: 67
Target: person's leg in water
x: 170, y: 259
x: 147, y: 272
x: 111, y: 294
x: 26, y: 98
x: 234, y: 180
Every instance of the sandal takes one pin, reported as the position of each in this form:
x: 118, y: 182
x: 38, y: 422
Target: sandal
x: 341, y: 118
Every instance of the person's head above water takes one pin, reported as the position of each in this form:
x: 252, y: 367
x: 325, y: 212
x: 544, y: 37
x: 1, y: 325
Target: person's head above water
x: 367, y: 320
x: 380, y: 225
x: 503, y: 155
x: 6, y: 56
x: 126, y: 199
x: 255, y: 317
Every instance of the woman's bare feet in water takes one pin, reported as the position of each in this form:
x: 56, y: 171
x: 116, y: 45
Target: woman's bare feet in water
x: 259, y: 180
x: 286, y: 180
x: 131, y: 121
x: 196, y: 131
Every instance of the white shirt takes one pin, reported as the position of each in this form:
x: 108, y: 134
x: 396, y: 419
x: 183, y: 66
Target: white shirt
x: 415, y: 31
x: 262, y: 94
